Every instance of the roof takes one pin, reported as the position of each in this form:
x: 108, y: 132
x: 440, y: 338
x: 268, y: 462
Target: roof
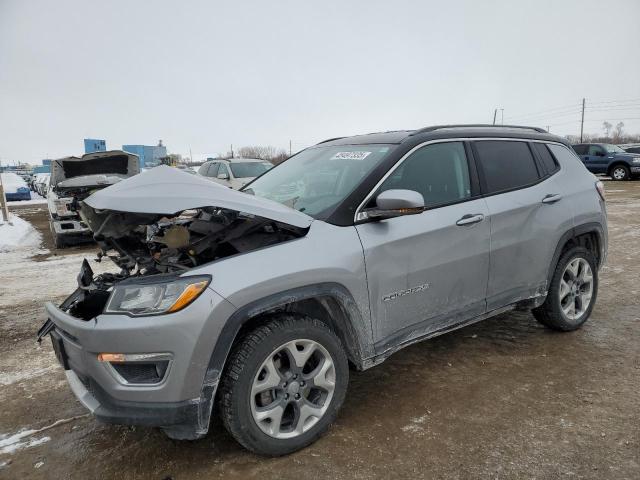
x: 444, y: 131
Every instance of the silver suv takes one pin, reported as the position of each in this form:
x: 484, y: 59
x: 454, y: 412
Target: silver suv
x: 254, y: 304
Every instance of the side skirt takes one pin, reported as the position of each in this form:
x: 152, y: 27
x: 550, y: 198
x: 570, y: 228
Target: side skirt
x: 417, y: 335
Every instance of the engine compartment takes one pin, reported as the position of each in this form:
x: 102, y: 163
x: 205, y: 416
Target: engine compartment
x: 142, y: 245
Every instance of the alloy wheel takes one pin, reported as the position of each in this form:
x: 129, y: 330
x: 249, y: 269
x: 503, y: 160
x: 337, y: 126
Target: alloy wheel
x: 293, y: 388
x: 576, y: 288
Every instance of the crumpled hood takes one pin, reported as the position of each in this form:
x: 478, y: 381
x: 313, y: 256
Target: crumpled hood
x: 166, y: 190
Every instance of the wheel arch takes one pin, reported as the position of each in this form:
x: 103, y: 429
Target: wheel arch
x: 588, y: 235
x: 617, y: 163
x: 330, y: 303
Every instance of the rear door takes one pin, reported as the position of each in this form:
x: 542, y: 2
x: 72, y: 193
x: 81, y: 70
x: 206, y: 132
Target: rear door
x: 527, y: 217
x: 596, y: 159
x: 428, y: 271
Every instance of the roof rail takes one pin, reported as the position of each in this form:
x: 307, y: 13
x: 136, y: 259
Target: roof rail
x: 330, y: 140
x: 475, y: 125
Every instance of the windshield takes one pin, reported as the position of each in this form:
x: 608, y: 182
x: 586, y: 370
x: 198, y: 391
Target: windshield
x: 318, y: 179
x: 614, y: 149
x: 249, y: 169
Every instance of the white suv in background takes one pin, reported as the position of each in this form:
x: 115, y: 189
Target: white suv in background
x: 234, y: 173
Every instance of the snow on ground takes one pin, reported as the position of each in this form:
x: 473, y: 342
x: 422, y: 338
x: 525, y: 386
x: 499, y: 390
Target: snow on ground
x: 25, y: 277
x: 19, y: 234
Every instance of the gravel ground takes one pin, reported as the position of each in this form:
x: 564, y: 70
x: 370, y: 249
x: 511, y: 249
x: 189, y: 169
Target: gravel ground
x: 505, y: 398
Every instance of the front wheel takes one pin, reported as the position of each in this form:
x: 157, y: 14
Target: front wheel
x: 284, y: 384
x: 620, y: 172
x: 572, y: 292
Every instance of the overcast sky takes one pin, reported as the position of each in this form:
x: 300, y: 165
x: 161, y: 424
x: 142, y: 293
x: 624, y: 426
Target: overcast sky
x: 201, y: 75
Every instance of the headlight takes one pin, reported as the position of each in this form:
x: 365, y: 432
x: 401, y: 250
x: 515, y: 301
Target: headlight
x: 636, y: 160
x: 146, y: 298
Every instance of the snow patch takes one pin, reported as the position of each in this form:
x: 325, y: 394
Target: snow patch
x: 19, y: 236
x: 416, y: 425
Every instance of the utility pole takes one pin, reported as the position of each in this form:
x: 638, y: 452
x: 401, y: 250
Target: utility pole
x: 289, y: 147
x: 3, y: 203
x: 232, y: 150
x: 495, y: 112
x: 582, y: 121
x: 547, y: 128
x: 190, y: 156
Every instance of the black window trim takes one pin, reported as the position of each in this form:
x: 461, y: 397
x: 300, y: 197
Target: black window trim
x: 541, y: 179
x: 542, y: 167
x: 471, y: 159
x: 474, y: 180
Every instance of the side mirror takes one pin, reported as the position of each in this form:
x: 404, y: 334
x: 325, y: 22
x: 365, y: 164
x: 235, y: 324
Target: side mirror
x: 223, y: 176
x: 394, y: 203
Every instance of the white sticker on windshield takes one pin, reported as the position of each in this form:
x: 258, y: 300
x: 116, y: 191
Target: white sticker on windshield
x: 350, y: 155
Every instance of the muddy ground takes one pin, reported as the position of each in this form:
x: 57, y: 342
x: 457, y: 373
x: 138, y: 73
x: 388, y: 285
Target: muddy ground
x: 501, y: 399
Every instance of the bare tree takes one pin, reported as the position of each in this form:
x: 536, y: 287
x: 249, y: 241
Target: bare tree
x: 268, y: 152
x: 606, y: 126
x: 618, y: 132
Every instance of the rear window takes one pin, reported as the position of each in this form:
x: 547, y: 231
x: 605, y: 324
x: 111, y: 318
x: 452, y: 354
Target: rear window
x: 506, y: 165
x: 548, y: 162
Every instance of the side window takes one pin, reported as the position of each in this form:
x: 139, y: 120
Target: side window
x: 223, y: 169
x: 213, y: 170
x: 548, y: 162
x: 506, y: 164
x: 581, y: 149
x: 439, y: 172
x: 595, y: 150
x: 563, y: 154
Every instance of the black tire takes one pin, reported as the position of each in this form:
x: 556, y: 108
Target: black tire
x: 550, y: 313
x: 247, y: 357
x: 625, y: 173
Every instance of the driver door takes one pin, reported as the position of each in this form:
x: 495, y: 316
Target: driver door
x: 428, y: 271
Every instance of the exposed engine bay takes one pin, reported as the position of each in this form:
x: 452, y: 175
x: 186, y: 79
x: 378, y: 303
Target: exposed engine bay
x: 132, y: 223
x: 147, y: 244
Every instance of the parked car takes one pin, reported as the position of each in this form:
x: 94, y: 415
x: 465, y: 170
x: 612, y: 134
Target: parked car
x: 234, y: 173
x: 15, y: 188
x: 232, y: 303
x: 609, y: 159
x: 73, y: 179
x: 41, y: 183
x: 631, y: 147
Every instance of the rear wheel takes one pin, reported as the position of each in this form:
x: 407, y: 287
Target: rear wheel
x: 284, y: 384
x: 620, y: 172
x: 572, y: 292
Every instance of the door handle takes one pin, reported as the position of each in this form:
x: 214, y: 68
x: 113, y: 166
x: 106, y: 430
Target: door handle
x: 470, y: 219
x: 551, y: 198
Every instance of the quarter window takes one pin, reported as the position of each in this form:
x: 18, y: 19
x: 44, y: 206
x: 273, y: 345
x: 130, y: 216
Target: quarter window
x: 439, y: 172
x: 548, y: 162
x: 506, y: 165
x: 581, y: 149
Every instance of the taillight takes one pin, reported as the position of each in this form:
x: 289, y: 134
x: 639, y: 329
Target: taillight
x: 600, y: 189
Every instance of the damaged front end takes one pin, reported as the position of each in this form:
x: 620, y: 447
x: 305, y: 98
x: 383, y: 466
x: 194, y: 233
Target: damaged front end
x: 127, y: 338
x: 208, y: 223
